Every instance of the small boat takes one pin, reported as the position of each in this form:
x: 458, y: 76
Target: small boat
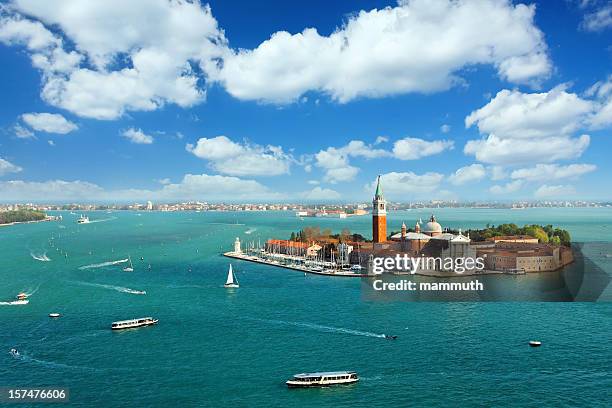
x: 534, y: 343
x: 83, y: 220
x: 131, y: 324
x: 15, y: 352
x: 130, y: 267
x: 322, y: 379
x: 388, y: 337
x: 54, y: 315
x: 231, y: 282
x: 22, y: 296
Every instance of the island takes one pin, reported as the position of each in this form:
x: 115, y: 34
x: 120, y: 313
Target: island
x: 20, y: 216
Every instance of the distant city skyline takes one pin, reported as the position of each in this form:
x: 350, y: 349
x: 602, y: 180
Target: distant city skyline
x: 491, y: 101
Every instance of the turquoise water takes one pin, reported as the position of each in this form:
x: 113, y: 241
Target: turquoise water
x: 218, y: 347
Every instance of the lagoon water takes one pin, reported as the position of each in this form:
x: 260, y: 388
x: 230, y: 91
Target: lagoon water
x: 219, y: 347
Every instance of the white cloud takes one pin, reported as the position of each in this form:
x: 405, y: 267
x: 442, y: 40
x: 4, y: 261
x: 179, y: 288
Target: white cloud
x: 530, y: 127
x: 137, y: 136
x: 49, y: 122
x: 602, y: 92
x: 22, y: 132
x: 543, y: 172
x: 313, y: 182
x: 139, y: 53
x: 191, y: 187
x: 51, y: 142
x: 473, y: 172
x: 508, y: 151
x: 381, y: 139
x: 407, y: 185
x: 547, y: 191
x: 417, y: 46
x: 517, y: 115
x: 8, y: 167
x: 335, y: 160
x: 228, y: 157
x: 321, y: 194
x: 510, y: 187
x: 445, y: 128
x: 598, y: 20
x: 411, y: 148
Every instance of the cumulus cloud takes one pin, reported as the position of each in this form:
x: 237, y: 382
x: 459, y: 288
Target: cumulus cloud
x: 8, y: 167
x: 507, y: 151
x: 407, y: 185
x: 335, y: 160
x: 542, y: 172
x: 417, y: 46
x: 527, y: 127
x: 137, y: 136
x: 320, y: 194
x: 241, y: 159
x: 191, y: 187
x: 135, y: 55
x: 139, y: 55
x: 507, y: 188
x: 547, y: 191
x: 411, y: 148
x: 49, y: 122
x: 471, y: 173
x: 445, y: 128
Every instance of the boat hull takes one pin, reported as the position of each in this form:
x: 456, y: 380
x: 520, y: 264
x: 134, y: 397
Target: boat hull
x: 231, y: 285
x: 296, y: 384
x: 136, y: 326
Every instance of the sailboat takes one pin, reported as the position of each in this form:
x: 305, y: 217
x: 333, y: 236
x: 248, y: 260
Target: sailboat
x: 130, y: 267
x: 231, y: 279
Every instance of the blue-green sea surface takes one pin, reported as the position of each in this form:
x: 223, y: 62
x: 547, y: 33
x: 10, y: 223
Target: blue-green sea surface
x: 219, y: 347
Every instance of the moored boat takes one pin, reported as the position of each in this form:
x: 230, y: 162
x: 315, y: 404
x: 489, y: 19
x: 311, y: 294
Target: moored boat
x: 54, y: 315
x: 535, y: 343
x: 133, y: 323
x: 322, y: 379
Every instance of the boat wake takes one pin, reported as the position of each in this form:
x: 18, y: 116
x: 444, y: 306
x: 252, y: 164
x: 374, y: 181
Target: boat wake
x: 14, y: 303
x: 102, y: 220
x: 250, y: 230
x: 30, y: 292
x: 27, y: 359
x: 327, y: 329
x: 103, y: 264
x: 40, y: 257
x: 112, y: 287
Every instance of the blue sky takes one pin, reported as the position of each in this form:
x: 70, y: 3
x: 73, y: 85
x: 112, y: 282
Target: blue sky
x: 287, y: 101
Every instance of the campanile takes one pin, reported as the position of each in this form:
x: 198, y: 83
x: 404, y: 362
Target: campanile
x: 379, y: 215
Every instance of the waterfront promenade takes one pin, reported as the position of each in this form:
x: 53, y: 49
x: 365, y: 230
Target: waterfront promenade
x: 334, y: 272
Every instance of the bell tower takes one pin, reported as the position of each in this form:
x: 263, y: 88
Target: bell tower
x: 379, y: 215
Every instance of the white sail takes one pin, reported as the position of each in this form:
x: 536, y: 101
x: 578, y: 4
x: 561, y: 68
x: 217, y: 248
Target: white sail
x: 230, y: 277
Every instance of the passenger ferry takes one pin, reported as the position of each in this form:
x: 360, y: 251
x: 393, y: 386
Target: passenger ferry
x: 130, y: 324
x: 323, y: 379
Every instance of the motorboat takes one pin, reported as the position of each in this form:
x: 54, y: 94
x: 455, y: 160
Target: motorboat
x: 133, y: 323
x: 322, y: 379
x: 14, y: 352
x: 54, y: 315
x: 83, y: 219
x: 535, y: 343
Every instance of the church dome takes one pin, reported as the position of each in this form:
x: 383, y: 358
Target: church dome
x: 432, y: 226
